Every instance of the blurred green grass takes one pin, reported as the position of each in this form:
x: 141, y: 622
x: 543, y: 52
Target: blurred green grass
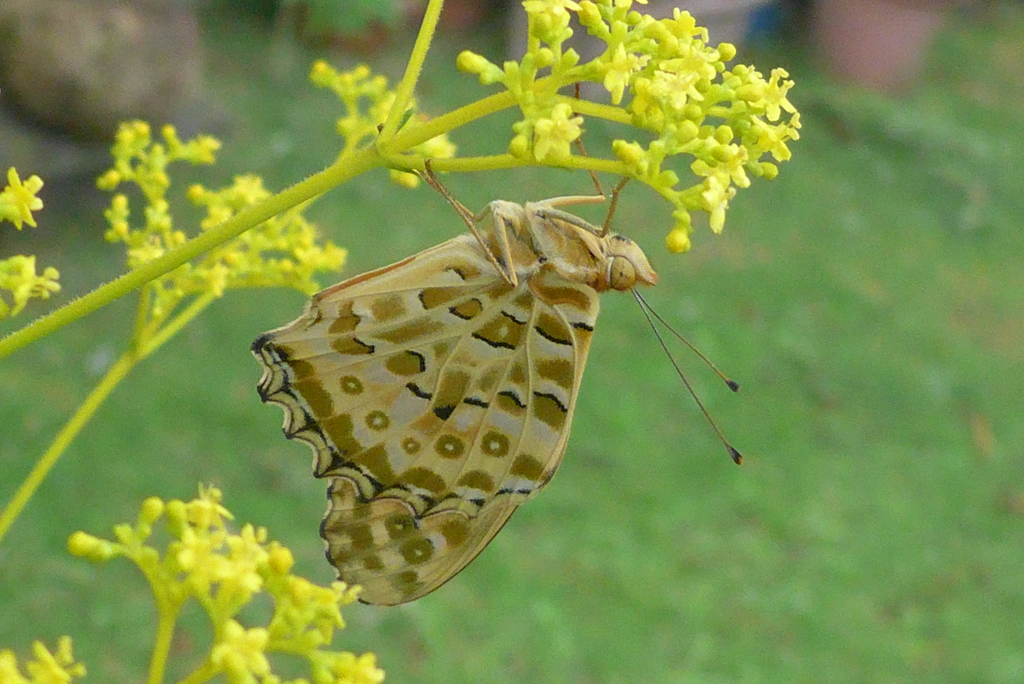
x: 870, y: 300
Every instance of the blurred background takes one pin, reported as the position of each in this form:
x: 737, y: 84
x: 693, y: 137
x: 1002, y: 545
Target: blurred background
x: 870, y: 301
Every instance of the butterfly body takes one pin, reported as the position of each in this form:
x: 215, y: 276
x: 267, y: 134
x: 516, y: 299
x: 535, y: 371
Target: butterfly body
x: 437, y: 393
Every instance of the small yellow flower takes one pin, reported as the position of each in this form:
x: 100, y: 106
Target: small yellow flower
x: 18, y: 276
x: 9, y: 673
x: 549, y: 19
x: 716, y: 195
x: 58, y: 667
x: 18, y: 200
x: 619, y: 69
x: 553, y: 137
x: 239, y: 653
x: 348, y: 668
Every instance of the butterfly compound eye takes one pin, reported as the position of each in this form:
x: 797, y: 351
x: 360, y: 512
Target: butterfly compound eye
x: 621, y: 273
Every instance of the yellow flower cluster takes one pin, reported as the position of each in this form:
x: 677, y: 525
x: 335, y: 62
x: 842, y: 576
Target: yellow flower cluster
x: 44, y: 668
x: 18, y: 273
x: 223, y: 572
x: 280, y: 252
x: 368, y: 101
x: 664, y: 78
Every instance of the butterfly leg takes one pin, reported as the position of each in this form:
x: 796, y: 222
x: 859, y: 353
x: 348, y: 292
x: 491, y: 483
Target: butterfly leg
x: 548, y: 209
x: 502, y: 214
x: 471, y: 220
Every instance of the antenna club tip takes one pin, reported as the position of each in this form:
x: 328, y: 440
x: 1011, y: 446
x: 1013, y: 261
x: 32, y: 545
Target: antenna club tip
x: 733, y: 385
x: 737, y: 457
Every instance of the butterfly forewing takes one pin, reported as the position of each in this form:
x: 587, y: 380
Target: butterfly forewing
x: 437, y: 397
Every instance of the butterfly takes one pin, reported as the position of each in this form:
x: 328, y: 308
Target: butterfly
x: 437, y: 393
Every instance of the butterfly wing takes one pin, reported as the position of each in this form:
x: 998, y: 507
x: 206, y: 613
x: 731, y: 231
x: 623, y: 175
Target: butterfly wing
x: 437, y: 398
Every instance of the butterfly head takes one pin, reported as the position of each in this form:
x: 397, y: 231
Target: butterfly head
x: 626, y: 265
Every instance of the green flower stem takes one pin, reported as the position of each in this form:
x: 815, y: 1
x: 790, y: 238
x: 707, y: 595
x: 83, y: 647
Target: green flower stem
x: 454, y: 119
x: 114, y: 375
x: 405, y: 89
x: 343, y: 170
x: 142, y: 310
x: 203, y: 673
x: 597, y: 110
x: 507, y: 161
x: 150, y: 345
x: 168, y: 618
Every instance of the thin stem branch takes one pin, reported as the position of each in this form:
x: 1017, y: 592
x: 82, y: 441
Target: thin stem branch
x: 147, y: 347
x: 507, y: 161
x: 45, y: 464
x: 140, y: 349
x: 407, y: 86
x: 167, y: 619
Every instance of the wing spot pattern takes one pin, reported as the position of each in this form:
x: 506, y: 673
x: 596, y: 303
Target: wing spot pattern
x: 495, y: 444
x: 510, y: 402
x: 553, y: 330
x: 467, y: 310
x: 374, y: 461
x: 346, y: 322
x: 416, y: 551
x: 449, y: 446
x: 558, y: 371
x: 350, y: 346
x: 410, y: 332
x: 518, y: 373
x: 549, y: 409
x: 400, y: 526
x: 464, y: 271
x: 455, y: 532
x: 339, y: 429
x: 433, y: 297
x: 317, y: 398
x: 450, y: 392
x: 349, y: 384
x: 377, y: 420
x: 477, y: 479
x: 360, y: 536
x: 527, y: 467
x: 406, y: 363
x: 504, y: 332
x: 424, y: 479
x: 415, y: 389
x: 387, y: 308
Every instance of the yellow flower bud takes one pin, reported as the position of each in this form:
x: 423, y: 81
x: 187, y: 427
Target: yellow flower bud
x: 88, y: 546
x: 471, y: 63
x: 677, y: 241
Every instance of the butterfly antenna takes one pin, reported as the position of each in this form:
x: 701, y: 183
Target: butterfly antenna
x: 732, y: 384
x: 734, y: 454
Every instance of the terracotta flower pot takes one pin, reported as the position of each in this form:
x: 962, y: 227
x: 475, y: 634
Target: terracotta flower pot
x: 880, y: 44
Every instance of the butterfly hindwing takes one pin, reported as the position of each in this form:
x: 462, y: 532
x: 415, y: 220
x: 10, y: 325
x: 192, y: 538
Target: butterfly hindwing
x: 437, y: 397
